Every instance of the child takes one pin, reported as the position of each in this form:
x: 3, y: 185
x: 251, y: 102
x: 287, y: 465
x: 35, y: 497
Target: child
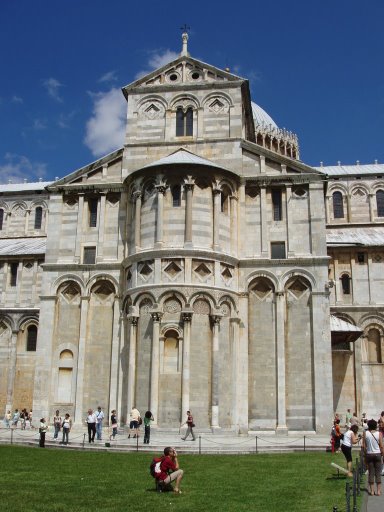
x: 147, y: 426
x: 113, y: 425
x: 42, y: 430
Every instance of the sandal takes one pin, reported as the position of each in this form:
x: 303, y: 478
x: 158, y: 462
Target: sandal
x: 177, y: 491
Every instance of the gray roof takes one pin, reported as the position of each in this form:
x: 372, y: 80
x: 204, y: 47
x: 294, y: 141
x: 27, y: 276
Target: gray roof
x: 339, y: 325
x: 24, y: 187
x: 22, y: 246
x: 346, y: 170
x: 368, y: 236
x: 182, y: 156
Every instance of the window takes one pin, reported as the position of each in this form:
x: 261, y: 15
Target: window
x: 31, y: 338
x: 338, y: 206
x: 92, y: 205
x: 278, y: 250
x: 176, y: 195
x: 277, y: 206
x: 346, y: 284
x: 225, y: 200
x: 38, y: 217
x: 184, y: 122
x: 13, y: 279
x: 360, y: 258
x: 380, y: 203
x: 1, y: 218
x: 89, y: 256
x: 374, y: 346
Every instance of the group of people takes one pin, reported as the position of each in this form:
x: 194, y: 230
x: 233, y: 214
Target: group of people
x: 24, y: 417
x: 372, y: 445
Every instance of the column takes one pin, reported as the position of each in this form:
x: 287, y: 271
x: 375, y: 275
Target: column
x: 27, y: 215
x: 371, y: 207
x: 263, y: 222
x: 79, y: 411
x: 327, y: 209
x: 216, y: 217
x: 18, y: 282
x: 11, y: 372
x: 133, y: 320
x: 291, y: 228
x: 215, y: 370
x: 280, y: 369
x: 234, y: 323
x: 101, y: 224
x: 349, y: 211
x: 79, y: 230
x: 159, y: 219
x: 185, y: 378
x: 241, y: 240
x: 242, y: 364
x: 234, y: 234
x: 137, y: 199
x: 154, y: 397
x: 188, y: 187
x: 115, y: 358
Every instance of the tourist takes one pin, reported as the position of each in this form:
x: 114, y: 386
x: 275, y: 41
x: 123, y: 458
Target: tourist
x: 373, y: 451
x: 99, y: 423
x: 148, y: 417
x: 336, y: 433
x: 354, y: 419
x: 134, y: 423
x: 7, y: 419
x: 15, y: 418
x: 169, y: 469
x: 30, y: 418
x: 91, y: 423
x: 42, y: 431
x: 113, y: 425
x: 190, y: 424
x: 57, y: 421
x: 348, y: 418
x: 67, y: 425
x: 350, y: 438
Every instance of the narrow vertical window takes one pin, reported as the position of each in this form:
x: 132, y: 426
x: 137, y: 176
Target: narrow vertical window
x: 278, y: 250
x: 277, y: 205
x: 31, y: 338
x: 184, y: 122
x: 179, y: 122
x: 38, y: 217
x: 189, y: 123
x: 92, y: 205
x: 89, y: 255
x: 1, y: 218
x: 338, y: 206
x: 380, y: 203
x: 176, y: 195
x: 13, y: 278
x: 346, y: 284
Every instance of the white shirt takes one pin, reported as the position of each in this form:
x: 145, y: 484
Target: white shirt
x: 91, y: 418
x: 99, y: 416
x: 372, y: 442
x: 347, y: 439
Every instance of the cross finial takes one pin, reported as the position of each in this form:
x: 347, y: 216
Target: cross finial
x: 184, y: 36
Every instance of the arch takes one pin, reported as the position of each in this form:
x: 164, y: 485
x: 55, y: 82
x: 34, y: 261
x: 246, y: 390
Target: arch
x: 220, y: 94
x: 102, y: 277
x: 26, y: 320
x: 185, y: 101
x: 337, y: 187
x: 225, y: 183
x: 143, y: 296
x: 231, y: 300
x: 377, y: 185
x: 380, y: 202
x: 172, y: 326
x: 262, y: 273
x: 373, y: 337
x: 19, y: 204
x: 203, y: 296
x: 39, y: 202
x: 31, y: 341
x: 359, y: 186
x: 224, y: 199
x: 152, y: 97
x: 296, y: 273
x: 8, y: 322
x: 169, y: 294
x: 5, y: 206
x: 377, y: 320
x: 64, y: 279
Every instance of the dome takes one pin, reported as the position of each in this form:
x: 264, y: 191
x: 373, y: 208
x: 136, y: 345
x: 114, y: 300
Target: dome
x: 261, y: 117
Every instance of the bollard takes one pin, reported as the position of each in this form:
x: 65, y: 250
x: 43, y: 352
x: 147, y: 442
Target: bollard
x: 11, y: 435
x: 83, y: 440
x: 137, y: 442
x: 334, y: 509
x: 256, y: 445
x: 354, y: 490
x: 199, y: 445
x: 304, y: 443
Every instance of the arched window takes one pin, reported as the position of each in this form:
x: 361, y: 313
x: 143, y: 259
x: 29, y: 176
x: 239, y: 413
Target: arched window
x: 176, y: 195
x: 338, y: 206
x: 380, y: 203
x: 225, y: 200
x: 31, y: 338
x: 277, y: 204
x: 374, y: 349
x: 38, y: 217
x: 184, y: 122
x: 1, y: 218
x: 346, y: 284
x: 171, y: 352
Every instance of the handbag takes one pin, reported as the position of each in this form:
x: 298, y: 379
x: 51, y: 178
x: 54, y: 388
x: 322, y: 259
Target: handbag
x: 193, y: 425
x: 140, y: 422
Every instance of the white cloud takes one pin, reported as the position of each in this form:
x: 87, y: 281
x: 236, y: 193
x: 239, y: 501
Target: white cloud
x: 18, y: 167
x: 110, y: 76
x: 65, y: 119
x: 17, y: 99
x: 53, y: 88
x: 105, y: 130
x: 156, y: 60
x: 38, y: 124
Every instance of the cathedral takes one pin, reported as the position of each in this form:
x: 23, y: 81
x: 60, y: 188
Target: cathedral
x: 201, y: 266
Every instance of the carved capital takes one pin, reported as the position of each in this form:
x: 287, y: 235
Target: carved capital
x: 186, y: 316
x: 133, y: 320
x: 136, y: 194
x: 156, y: 316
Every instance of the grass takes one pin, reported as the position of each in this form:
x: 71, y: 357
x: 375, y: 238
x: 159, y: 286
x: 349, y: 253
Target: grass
x: 59, y: 480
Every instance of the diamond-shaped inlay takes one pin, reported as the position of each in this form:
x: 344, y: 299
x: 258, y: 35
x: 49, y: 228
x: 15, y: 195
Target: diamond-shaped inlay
x: 145, y: 270
x: 377, y: 258
x: 71, y: 291
x: 262, y: 288
x: 297, y: 287
x: 3, y: 328
x: 202, y: 270
x: 103, y: 290
x: 172, y: 269
x: 227, y: 274
x: 71, y: 201
x: 28, y: 265
x: 217, y: 106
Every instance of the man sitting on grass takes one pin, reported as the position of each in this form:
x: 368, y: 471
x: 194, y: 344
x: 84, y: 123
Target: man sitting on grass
x: 169, y: 469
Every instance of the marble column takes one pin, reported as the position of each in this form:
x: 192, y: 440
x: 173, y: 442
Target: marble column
x: 185, y: 378
x: 235, y: 371
x: 137, y: 199
x: 280, y: 368
x: 11, y: 371
x: 79, y: 228
x: 79, y: 410
x: 154, y: 396
x: 234, y: 233
x: 371, y: 207
x: 242, y: 365
x: 215, y: 370
x: 188, y: 187
x: 161, y: 188
x: 291, y: 228
x: 216, y: 217
x: 115, y: 358
x: 26, y: 226
x: 101, y: 228
x: 133, y: 320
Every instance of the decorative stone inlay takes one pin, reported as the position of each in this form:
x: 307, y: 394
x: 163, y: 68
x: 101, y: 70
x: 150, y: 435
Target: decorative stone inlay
x: 103, y: 290
x: 359, y: 195
x: 28, y: 265
x: 300, y: 192
x: 3, y: 328
x: 377, y: 258
x: 297, y: 287
x: 18, y: 211
x: 226, y: 273
x: 201, y: 307
x: 145, y: 306
x: 172, y: 269
x: 113, y: 198
x: 172, y: 306
x: 70, y: 201
x: 202, y: 270
x: 70, y: 292
x: 262, y: 289
x: 145, y: 269
x: 225, y: 309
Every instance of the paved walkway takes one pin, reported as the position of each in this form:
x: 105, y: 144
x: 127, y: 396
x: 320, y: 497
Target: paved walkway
x: 373, y: 503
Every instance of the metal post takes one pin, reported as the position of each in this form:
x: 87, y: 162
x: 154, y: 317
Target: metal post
x: 354, y: 490
x: 11, y: 435
x: 137, y: 442
x: 256, y: 445
x: 83, y: 440
x: 199, y: 445
x: 304, y: 443
x: 347, y: 497
x: 334, y: 509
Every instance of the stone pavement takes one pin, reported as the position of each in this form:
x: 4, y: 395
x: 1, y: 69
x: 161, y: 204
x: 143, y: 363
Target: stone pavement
x: 372, y: 503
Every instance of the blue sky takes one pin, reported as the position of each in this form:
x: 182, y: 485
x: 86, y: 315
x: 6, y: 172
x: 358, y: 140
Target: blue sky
x: 315, y: 67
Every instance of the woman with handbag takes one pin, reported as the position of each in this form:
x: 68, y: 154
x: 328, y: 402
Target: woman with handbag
x: 190, y: 426
x: 373, y: 451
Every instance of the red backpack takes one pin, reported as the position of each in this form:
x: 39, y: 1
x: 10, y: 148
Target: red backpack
x: 154, y: 468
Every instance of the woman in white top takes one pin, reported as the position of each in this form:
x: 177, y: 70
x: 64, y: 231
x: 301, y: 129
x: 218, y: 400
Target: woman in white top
x: 373, y: 450
x: 350, y: 438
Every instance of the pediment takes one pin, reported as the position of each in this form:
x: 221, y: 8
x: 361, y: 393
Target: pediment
x: 184, y: 70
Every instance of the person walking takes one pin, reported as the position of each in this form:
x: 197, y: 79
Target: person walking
x: 113, y: 425
x: 67, y: 425
x: 7, y: 419
x: 350, y: 438
x: 91, y: 423
x: 134, y: 423
x: 42, y: 431
x: 373, y: 451
x: 57, y: 422
x: 99, y: 423
x: 190, y: 425
x: 148, y: 417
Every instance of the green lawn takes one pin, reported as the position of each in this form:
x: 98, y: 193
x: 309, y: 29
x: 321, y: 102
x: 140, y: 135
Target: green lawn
x: 70, y: 481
